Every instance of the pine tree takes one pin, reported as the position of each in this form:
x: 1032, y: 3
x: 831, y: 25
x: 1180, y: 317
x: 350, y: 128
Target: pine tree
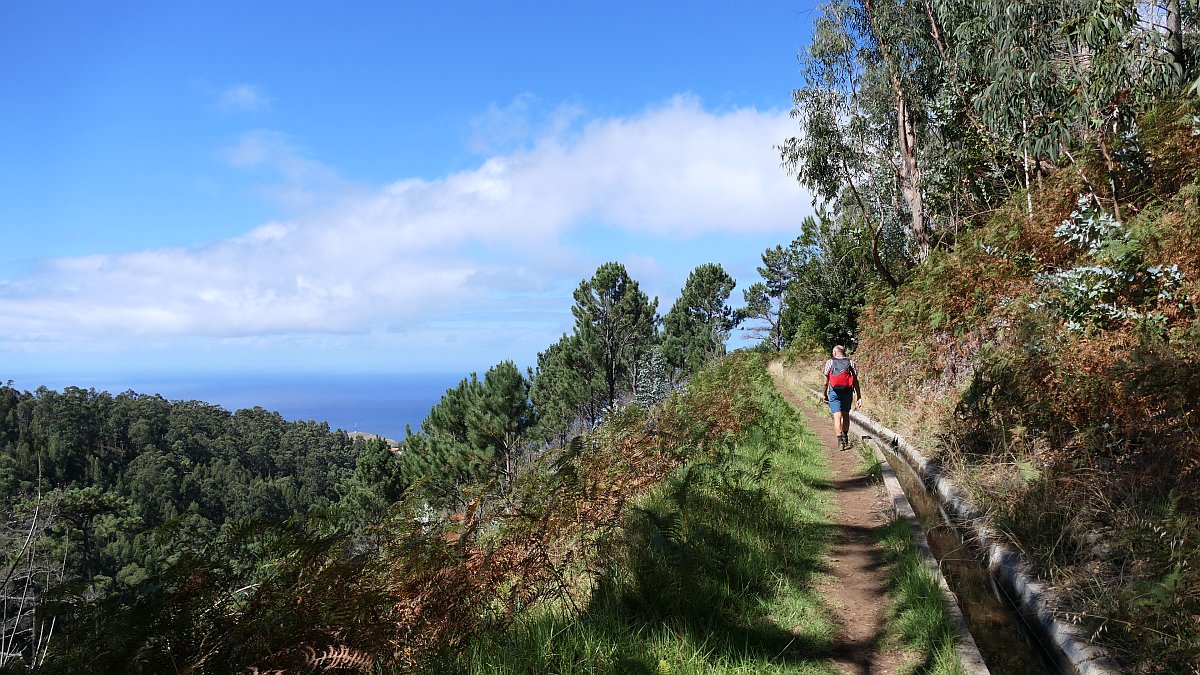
x: 441, y: 452
x: 377, y: 481
x: 501, y: 416
x: 473, y: 433
x: 564, y: 389
x: 696, y: 328
x: 616, y: 323
x: 765, y: 299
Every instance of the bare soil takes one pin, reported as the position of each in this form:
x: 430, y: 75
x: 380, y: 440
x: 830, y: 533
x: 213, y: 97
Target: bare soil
x: 857, y: 586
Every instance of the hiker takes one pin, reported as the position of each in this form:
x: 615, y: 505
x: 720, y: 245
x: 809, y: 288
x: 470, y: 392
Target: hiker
x: 841, y: 392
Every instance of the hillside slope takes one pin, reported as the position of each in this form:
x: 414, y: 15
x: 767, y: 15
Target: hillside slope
x: 1051, y: 359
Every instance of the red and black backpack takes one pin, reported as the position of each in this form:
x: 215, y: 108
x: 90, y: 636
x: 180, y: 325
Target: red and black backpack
x: 841, y: 373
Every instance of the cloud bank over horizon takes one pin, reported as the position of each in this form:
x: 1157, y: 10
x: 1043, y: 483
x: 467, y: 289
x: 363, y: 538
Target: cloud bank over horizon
x: 361, y: 259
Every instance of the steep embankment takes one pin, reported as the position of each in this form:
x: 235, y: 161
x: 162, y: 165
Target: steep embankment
x: 751, y: 557
x: 1051, y: 359
x: 715, y: 569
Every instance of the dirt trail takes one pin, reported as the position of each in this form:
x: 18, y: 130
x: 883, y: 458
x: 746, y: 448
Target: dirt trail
x: 857, y: 590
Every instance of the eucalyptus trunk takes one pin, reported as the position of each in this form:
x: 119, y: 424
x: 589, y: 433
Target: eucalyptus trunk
x: 1175, y: 40
x: 876, y: 258
x: 910, y: 173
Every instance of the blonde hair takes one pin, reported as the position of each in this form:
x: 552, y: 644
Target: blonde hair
x: 839, y: 350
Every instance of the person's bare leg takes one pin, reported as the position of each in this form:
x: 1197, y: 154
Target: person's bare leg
x: 845, y: 425
x: 837, y: 424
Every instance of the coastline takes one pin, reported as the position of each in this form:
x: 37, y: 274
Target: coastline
x: 368, y: 403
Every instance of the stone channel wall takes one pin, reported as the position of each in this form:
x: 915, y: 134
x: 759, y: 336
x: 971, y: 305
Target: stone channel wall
x: 1008, y: 568
x: 1067, y: 642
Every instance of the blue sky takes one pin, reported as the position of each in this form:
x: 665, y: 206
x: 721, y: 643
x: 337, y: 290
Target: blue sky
x: 383, y: 187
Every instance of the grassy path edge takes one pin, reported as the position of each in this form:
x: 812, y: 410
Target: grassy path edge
x: 964, y: 643
x: 921, y: 608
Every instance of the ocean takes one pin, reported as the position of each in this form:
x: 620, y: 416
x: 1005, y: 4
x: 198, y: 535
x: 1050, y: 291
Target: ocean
x: 373, y: 403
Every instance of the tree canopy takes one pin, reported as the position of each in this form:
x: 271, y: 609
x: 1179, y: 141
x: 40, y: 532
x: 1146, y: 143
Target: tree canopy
x: 616, y: 323
x: 698, y: 325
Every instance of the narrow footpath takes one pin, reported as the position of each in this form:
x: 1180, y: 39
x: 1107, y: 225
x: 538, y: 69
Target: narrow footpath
x: 858, y: 584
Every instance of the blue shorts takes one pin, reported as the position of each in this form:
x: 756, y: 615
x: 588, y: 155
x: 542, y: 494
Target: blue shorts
x: 841, y: 399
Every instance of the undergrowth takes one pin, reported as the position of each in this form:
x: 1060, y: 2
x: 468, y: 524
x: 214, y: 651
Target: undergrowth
x: 1051, y: 360
x: 417, y: 589
x: 712, y: 571
x: 683, y: 539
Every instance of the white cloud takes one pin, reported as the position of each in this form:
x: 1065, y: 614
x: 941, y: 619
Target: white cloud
x: 273, y: 149
x: 242, y: 98
x: 677, y: 169
x: 410, y: 252
x: 300, y: 182
x: 519, y: 123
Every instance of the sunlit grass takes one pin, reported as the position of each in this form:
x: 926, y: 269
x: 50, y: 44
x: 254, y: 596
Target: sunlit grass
x: 917, y: 615
x: 610, y: 643
x: 716, y: 572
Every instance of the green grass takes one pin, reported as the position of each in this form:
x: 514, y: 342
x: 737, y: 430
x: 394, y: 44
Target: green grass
x: 868, y: 464
x: 916, y: 613
x: 917, y: 619
x: 714, y: 573
x: 716, y: 570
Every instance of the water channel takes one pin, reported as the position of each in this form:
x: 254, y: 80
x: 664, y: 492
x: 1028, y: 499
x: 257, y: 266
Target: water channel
x: 1007, y: 644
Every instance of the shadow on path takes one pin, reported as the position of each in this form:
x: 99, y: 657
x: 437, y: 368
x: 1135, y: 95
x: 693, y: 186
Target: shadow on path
x: 857, y: 567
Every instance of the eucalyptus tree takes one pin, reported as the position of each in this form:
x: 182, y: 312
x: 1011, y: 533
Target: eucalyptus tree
x: 1050, y: 79
x: 616, y: 323
x: 860, y: 113
x: 916, y: 115
x: 1172, y: 27
x: 696, y: 328
x: 902, y: 57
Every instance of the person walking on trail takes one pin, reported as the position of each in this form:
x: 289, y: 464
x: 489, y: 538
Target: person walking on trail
x: 841, y: 392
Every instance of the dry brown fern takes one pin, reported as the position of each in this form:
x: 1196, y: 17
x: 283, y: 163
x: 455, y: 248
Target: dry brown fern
x: 483, y: 565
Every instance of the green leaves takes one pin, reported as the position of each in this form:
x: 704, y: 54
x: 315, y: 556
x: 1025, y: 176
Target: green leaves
x: 765, y: 301
x: 1056, y: 75
x: 828, y: 291
x: 378, y: 481
x: 475, y: 431
x: 1114, y: 284
x: 916, y: 116
x: 564, y: 385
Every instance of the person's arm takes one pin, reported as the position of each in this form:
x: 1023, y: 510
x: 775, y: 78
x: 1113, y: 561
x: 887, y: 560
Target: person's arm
x: 825, y: 387
x: 857, y: 389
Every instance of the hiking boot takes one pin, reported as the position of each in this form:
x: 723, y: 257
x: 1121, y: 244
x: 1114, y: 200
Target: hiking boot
x: 843, y: 442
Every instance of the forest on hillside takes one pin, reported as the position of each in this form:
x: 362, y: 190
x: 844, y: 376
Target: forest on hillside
x: 114, y: 504
x: 1008, y: 233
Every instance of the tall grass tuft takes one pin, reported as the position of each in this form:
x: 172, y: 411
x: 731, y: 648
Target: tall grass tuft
x: 915, y: 609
